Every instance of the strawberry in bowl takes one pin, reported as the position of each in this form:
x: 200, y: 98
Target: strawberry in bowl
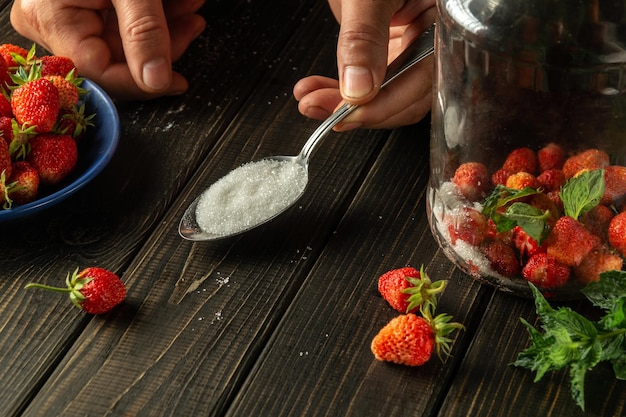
x: 59, y: 131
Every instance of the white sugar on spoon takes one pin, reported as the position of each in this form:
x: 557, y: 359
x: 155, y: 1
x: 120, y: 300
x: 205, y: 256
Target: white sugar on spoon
x: 249, y: 196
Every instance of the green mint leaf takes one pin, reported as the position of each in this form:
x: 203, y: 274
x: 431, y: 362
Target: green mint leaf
x: 502, y: 196
x: 530, y: 218
x: 619, y: 365
x: 536, y: 357
x: 613, y: 348
x: 582, y: 193
x: 577, y: 384
x: 605, y: 292
x: 615, y: 318
x: 503, y: 223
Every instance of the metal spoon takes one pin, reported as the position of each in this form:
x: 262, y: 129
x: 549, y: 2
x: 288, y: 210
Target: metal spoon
x: 189, y: 227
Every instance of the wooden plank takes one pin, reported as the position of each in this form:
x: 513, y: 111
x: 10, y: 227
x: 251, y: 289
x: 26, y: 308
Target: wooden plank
x: 318, y: 362
x: 105, y: 224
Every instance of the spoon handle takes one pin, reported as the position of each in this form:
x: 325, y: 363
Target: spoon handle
x: 419, y: 49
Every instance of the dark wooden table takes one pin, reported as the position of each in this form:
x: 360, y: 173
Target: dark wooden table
x: 275, y: 322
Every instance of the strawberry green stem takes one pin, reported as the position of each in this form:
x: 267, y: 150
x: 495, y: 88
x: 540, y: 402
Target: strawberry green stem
x: 49, y: 288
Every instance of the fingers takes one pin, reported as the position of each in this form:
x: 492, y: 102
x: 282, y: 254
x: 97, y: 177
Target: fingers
x: 362, y: 47
x: 405, y: 101
x: 146, y: 40
x: 317, y: 96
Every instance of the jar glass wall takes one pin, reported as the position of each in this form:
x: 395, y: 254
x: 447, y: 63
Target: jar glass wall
x: 529, y: 124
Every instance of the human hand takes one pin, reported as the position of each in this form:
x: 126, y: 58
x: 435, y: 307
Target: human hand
x: 125, y: 46
x: 370, y: 38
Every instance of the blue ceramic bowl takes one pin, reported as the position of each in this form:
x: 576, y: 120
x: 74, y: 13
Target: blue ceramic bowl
x: 95, y: 150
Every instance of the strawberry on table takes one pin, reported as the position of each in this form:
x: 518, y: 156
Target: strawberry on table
x: 94, y: 290
x: 53, y: 156
x: 407, y: 289
x: 410, y: 340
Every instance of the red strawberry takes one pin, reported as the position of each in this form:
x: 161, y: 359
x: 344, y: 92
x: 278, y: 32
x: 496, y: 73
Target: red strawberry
x: 614, y: 185
x: 521, y: 180
x: 68, y: 91
x: 407, y: 289
x: 597, y: 220
x: 499, y: 177
x: 5, y: 189
x: 74, y: 122
x: 545, y: 272
x: 5, y: 159
x: 36, y: 103
x: 468, y: 225
x: 472, y: 180
x: 501, y: 257
x: 551, y: 156
x: 5, y: 104
x: 94, y: 290
x: 587, y: 160
x: 551, y: 180
x: 53, y: 156
x: 569, y: 241
x: 521, y: 160
x: 596, y: 263
x: 56, y: 65
x: 5, y: 77
x: 8, y: 50
x: 525, y: 244
x: 410, y: 340
x: 617, y: 232
x: 26, y: 180
x: 6, y: 129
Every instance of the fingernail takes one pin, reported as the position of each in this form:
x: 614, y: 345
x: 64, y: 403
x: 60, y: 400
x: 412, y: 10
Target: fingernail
x: 156, y: 74
x: 357, y: 82
x: 317, y: 113
x: 344, y: 127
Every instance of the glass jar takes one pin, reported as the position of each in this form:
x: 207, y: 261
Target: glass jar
x: 529, y: 110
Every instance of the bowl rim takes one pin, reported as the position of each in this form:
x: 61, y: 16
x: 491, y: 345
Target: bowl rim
x: 108, y: 110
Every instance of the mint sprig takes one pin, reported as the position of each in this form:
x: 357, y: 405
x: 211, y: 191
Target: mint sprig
x: 582, y: 192
x: 506, y: 211
x: 569, y: 340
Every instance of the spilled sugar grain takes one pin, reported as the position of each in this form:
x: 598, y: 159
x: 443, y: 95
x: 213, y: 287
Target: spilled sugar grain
x: 250, y: 195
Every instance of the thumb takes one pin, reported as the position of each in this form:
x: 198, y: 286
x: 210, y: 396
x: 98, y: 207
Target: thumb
x: 362, y: 48
x: 146, y: 41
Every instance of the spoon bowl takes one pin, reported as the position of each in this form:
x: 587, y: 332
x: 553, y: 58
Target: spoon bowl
x: 257, y: 192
